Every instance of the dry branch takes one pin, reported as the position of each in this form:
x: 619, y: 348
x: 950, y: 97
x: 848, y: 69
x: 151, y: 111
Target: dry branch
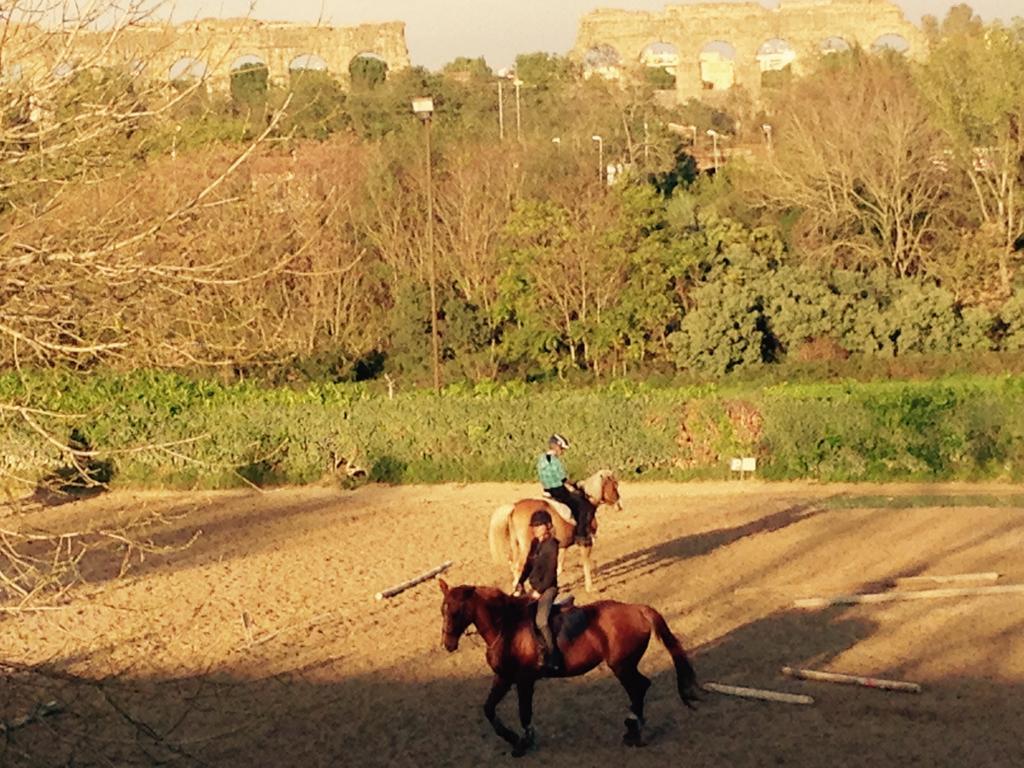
x: 37, y: 564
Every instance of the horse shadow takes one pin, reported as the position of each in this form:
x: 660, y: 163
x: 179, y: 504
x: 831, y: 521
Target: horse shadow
x: 645, y: 561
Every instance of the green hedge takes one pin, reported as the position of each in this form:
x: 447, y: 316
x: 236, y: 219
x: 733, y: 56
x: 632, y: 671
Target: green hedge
x: 953, y: 428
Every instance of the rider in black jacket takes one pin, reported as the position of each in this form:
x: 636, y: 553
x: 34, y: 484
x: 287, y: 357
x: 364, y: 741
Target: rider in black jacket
x: 541, y: 571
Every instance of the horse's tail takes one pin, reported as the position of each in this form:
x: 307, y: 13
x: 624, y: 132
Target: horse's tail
x: 686, y: 678
x: 498, y: 534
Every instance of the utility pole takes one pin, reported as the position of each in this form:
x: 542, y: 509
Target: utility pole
x: 424, y: 109
x: 501, y: 110
x: 519, y: 120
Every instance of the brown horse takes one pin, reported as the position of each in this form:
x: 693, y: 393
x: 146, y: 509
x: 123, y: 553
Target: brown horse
x: 510, y: 535
x: 609, y: 631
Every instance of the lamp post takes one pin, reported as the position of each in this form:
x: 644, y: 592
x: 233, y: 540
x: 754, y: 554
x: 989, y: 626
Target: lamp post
x: 714, y: 144
x: 501, y: 111
x: 600, y: 156
x: 423, y: 108
x: 502, y: 77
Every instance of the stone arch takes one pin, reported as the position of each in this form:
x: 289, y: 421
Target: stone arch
x: 187, y: 68
x: 717, y: 60
x: 834, y: 44
x: 247, y: 61
x: 775, y: 58
x: 307, y: 62
x: 250, y: 78
x: 603, y: 60
x: 660, y: 61
x: 891, y: 41
x: 367, y: 69
x: 775, y: 54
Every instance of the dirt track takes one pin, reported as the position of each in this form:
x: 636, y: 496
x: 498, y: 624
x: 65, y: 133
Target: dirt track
x: 156, y: 668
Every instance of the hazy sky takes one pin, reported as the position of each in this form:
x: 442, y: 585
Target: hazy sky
x: 439, y: 30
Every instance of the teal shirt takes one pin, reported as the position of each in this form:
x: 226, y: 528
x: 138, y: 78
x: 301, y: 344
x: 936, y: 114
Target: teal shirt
x: 550, y: 471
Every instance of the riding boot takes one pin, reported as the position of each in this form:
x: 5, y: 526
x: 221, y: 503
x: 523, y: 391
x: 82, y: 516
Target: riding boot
x: 552, y: 656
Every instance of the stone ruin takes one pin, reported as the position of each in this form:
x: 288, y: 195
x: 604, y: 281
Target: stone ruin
x: 715, y: 46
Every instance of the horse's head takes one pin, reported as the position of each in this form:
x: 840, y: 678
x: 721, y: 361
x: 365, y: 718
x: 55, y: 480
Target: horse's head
x: 456, y: 614
x: 602, y: 488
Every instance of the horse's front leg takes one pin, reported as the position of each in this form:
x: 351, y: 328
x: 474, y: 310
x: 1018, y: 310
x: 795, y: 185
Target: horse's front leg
x: 499, y: 687
x: 525, y: 689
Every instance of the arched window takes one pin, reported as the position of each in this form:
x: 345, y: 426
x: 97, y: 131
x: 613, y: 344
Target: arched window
x: 718, y: 65
x: 604, y: 61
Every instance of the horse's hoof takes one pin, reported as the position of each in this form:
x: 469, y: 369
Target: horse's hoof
x: 523, y: 745
x: 632, y: 737
x: 632, y: 740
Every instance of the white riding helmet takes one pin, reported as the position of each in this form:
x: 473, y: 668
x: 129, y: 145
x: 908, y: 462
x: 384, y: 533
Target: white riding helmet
x: 561, y: 442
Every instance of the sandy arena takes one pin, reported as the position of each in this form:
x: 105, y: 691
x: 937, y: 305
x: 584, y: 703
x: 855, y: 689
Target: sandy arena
x: 160, y: 668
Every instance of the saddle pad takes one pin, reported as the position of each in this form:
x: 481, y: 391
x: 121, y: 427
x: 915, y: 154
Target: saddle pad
x: 562, y: 509
x: 569, y: 624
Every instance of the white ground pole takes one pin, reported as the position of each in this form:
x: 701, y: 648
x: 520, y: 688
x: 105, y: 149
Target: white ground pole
x: 392, y: 591
x: 951, y: 579
x: 922, y: 594
x: 758, y: 693
x: 836, y: 677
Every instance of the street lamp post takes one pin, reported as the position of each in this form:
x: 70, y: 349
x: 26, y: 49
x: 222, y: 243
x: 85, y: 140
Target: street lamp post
x: 423, y: 108
x: 714, y: 147
x: 600, y: 156
x: 519, y: 119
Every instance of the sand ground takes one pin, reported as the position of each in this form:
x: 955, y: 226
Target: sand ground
x: 156, y: 667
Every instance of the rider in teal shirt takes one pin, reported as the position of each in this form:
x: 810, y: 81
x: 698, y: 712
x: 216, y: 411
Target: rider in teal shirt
x: 550, y: 469
x: 555, y: 482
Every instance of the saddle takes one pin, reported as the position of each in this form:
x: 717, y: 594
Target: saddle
x: 567, y: 622
x: 562, y: 509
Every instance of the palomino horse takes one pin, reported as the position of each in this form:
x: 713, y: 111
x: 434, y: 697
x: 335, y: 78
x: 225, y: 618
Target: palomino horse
x: 510, y: 535
x: 609, y: 631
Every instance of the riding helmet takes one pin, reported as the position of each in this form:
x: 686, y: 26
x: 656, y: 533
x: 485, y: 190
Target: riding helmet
x: 561, y: 442
x: 540, y: 517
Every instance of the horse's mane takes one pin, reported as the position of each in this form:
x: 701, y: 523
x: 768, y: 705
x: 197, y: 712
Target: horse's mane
x: 592, y: 485
x: 510, y: 607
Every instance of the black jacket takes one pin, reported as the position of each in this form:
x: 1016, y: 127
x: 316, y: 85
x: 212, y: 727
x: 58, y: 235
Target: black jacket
x: 541, y: 567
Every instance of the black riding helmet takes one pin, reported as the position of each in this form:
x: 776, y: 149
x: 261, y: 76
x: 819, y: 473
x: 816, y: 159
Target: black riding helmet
x: 540, y: 517
x: 561, y: 442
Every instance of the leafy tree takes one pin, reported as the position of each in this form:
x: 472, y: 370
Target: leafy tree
x: 854, y: 161
x: 545, y: 70
x: 367, y: 72
x: 472, y: 69
x: 249, y: 86
x: 318, y: 106
x: 974, y: 78
x: 659, y: 78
